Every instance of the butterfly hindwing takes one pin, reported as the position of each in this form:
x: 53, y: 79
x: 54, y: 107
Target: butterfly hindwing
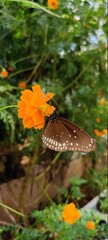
x: 79, y: 139
x: 62, y: 135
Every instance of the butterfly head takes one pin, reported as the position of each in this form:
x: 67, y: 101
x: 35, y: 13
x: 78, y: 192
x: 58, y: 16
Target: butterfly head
x: 53, y: 117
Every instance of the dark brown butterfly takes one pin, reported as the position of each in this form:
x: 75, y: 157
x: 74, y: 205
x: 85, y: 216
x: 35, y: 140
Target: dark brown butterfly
x: 63, y: 135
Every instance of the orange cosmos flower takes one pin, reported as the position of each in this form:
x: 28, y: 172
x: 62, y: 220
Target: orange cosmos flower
x: 4, y: 73
x: 97, y: 120
x: 104, y: 132
x: 10, y: 69
x: 53, y: 4
x: 22, y: 85
x: 97, y: 133
x: 33, y: 107
x: 90, y: 225
x: 100, y: 133
x: 71, y: 213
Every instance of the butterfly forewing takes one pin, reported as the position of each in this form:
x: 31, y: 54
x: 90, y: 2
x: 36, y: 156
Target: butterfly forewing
x: 62, y: 135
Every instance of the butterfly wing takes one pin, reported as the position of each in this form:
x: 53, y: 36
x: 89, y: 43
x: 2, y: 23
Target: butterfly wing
x: 79, y: 139
x: 62, y: 135
x: 54, y: 134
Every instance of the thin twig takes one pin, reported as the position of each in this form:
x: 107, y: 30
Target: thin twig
x: 79, y: 75
x: 37, y: 66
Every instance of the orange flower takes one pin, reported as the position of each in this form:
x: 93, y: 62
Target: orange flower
x: 90, y: 225
x: 10, y: 69
x: 104, y: 132
x: 100, y: 133
x: 71, y: 213
x: 33, y: 107
x: 53, y: 4
x: 97, y: 120
x: 97, y: 133
x: 4, y: 73
x: 22, y: 85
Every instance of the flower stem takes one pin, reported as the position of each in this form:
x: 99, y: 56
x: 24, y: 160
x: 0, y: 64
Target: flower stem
x: 11, y: 209
x: 77, y: 78
x: 37, y: 6
x: 10, y: 106
x: 48, y: 168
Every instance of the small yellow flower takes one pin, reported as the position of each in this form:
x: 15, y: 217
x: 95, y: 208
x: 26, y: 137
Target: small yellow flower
x: 71, y: 213
x: 53, y: 4
x: 90, y: 225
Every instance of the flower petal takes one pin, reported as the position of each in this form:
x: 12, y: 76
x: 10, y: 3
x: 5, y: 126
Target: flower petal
x: 38, y: 119
x: 21, y: 109
x: 38, y: 97
x: 26, y: 95
x: 28, y: 122
x: 49, y: 96
x: 46, y: 109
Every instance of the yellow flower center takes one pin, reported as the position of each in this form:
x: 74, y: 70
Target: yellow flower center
x: 44, y: 109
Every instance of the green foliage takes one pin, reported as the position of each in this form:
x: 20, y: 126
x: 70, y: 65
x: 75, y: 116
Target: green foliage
x: 74, y: 192
x: 76, y: 188
x: 31, y: 234
x: 103, y: 202
x: 49, y: 224
x: 62, y: 51
x: 97, y: 179
x: 7, y: 116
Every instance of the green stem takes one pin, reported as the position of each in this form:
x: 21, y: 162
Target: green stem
x: 43, y: 57
x: 48, y: 168
x: 75, y: 80
x: 28, y: 178
x: 31, y: 203
x: 54, y: 69
x: 20, y: 71
x: 46, y: 35
x: 10, y: 106
x: 11, y: 209
x: 24, y: 58
x: 37, y: 6
x: 44, y: 192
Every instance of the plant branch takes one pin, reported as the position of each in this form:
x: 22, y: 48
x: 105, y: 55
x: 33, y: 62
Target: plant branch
x: 10, y: 106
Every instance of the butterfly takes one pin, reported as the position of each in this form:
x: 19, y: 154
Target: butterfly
x: 63, y: 135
